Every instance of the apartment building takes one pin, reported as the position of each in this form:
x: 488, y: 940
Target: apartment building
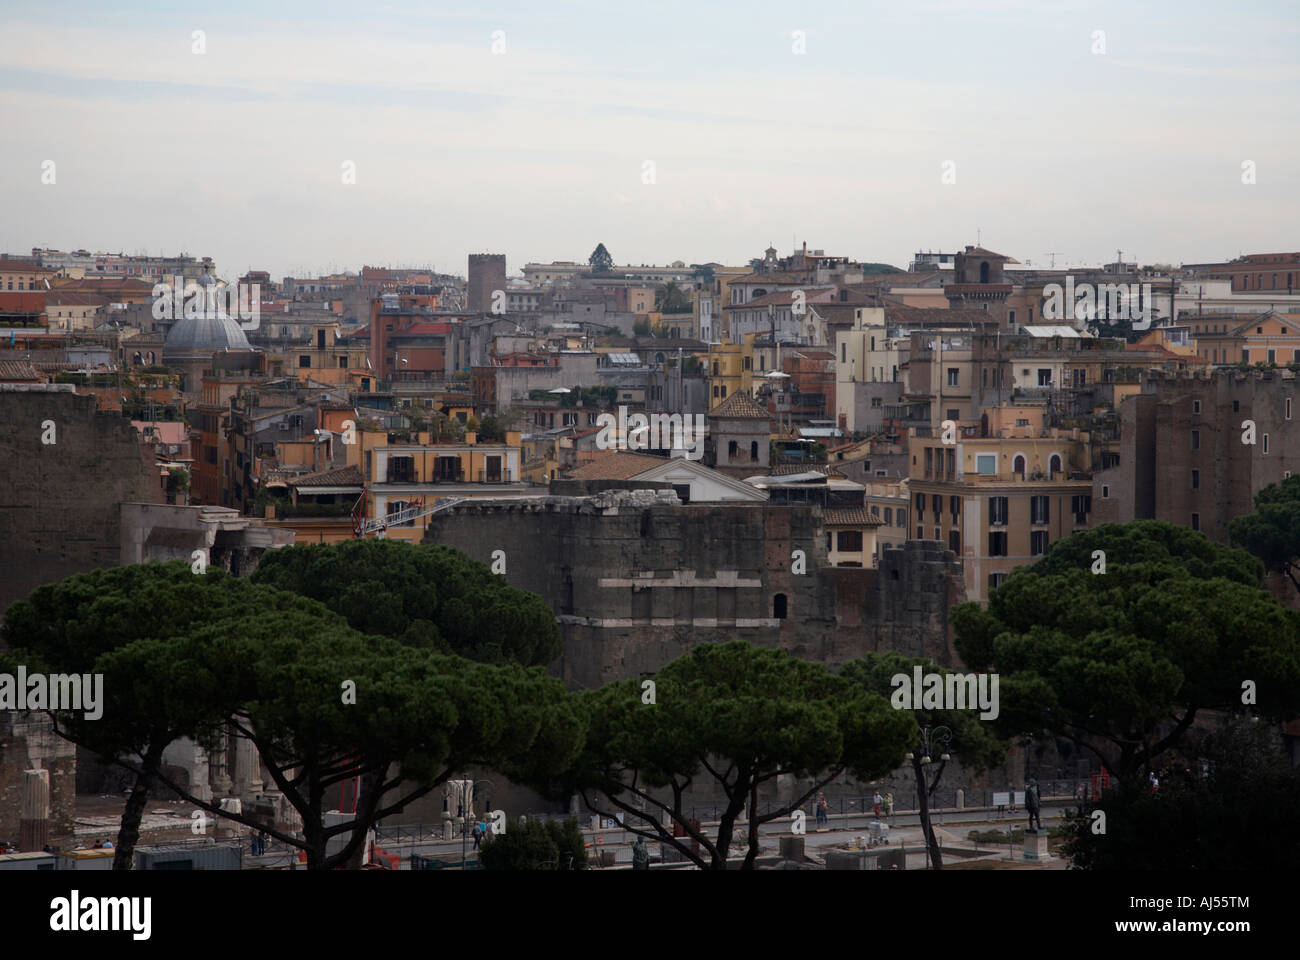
x: 999, y: 501
x: 403, y: 469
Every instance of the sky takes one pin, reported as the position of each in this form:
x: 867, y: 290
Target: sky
x: 690, y: 131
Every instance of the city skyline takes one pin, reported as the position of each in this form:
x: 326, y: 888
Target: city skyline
x: 540, y: 149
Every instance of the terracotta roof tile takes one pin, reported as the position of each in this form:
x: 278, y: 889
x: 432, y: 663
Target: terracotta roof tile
x: 349, y: 476
x: 846, y: 515
x: 614, y: 465
x: 740, y: 406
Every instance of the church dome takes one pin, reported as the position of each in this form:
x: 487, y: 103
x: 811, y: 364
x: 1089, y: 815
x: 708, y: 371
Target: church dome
x: 204, y: 336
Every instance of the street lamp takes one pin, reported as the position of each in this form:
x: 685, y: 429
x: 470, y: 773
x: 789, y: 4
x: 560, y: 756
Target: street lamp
x: 933, y: 740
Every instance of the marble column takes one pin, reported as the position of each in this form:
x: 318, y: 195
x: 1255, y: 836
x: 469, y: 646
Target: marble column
x: 248, y: 768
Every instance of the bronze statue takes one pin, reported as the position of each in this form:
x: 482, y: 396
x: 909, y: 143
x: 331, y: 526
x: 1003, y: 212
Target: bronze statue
x: 1032, y: 805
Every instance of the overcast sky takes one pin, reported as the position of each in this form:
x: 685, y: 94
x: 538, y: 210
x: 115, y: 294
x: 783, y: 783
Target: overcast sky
x: 541, y: 151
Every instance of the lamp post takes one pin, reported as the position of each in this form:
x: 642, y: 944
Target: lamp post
x: 933, y: 740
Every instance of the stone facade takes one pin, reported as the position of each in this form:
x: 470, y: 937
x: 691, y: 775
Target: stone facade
x: 1182, y: 455
x: 637, y: 579
x: 59, y: 502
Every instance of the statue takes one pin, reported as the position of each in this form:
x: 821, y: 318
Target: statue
x: 640, y: 855
x: 1031, y: 804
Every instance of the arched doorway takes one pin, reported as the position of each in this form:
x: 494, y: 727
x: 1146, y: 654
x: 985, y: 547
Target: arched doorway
x: 1018, y: 466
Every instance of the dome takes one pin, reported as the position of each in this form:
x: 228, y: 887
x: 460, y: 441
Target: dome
x: 204, y: 336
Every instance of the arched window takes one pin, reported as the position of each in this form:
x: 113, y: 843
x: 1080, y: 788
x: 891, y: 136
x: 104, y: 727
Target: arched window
x: 780, y: 606
x: 1018, y: 466
x: 1054, y: 465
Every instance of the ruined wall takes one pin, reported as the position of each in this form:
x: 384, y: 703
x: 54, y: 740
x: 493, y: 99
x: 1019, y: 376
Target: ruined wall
x: 636, y: 579
x: 28, y: 742
x: 59, y: 516
x: 59, y: 502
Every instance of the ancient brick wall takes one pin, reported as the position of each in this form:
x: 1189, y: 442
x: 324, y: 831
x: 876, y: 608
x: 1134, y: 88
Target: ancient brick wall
x: 637, y: 579
x: 59, y: 510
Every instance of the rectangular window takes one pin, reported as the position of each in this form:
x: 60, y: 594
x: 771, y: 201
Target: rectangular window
x: 1196, y: 479
x: 954, y: 541
x: 1288, y: 408
x: 304, y: 361
x: 1196, y: 406
x: 996, y: 580
x: 998, y: 543
x: 1081, y: 506
x: 1039, y: 509
x: 936, y: 503
x: 1038, y: 543
x: 1196, y: 521
x: 889, y: 516
x: 849, y: 541
x: 997, y: 509
x: 901, y: 517
x: 1196, y: 439
x: 1044, y: 377
x: 954, y: 507
x: 986, y: 464
x: 1266, y: 443
x: 953, y: 375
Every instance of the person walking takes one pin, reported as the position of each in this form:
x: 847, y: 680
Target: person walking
x: 478, y: 834
x: 889, y: 806
x: 821, y: 809
x: 876, y: 803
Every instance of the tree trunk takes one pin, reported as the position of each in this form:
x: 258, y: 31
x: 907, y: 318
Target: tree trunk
x: 752, y: 854
x: 128, y: 832
x: 923, y: 801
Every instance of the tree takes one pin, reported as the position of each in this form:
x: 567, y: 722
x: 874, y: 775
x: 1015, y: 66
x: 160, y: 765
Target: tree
x: 1122, y: 662
x: 973, y: 739
x: 85, y: 624
x: 325, y: 705
x: 641, y: 328
x: 433, y: 597
x: 670, y: 298
x: 738, y: 716
x: 491, y: 431
x: 1272, y: 532
x: 535, y: 845
x: 600, y: 260
x: 1228, y: 805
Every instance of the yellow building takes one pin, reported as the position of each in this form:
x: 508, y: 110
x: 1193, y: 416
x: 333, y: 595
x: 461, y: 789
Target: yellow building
x: 998, y: 502
x: 324, y: 359
x: 730, y: 368
x: 404, y: 470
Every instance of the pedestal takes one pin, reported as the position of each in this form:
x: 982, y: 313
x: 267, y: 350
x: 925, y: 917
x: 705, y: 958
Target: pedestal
x: 1036, y: 846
